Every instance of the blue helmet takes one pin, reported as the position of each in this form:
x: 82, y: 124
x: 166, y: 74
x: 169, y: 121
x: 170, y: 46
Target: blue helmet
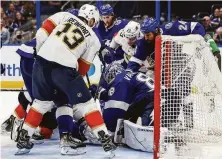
x: 149, y: 25
x: 73, y: 11
x: 112, y: 71
x: 106, y: 9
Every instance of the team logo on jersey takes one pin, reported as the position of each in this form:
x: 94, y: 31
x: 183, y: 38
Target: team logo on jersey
x: 118, y: 22
x: 169, y: 25
x: 79, y: 94
x: 111, y: 91
x: 128, y: 30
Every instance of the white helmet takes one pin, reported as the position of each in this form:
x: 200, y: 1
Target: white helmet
x: 132, y: 29
x: 88, y: 11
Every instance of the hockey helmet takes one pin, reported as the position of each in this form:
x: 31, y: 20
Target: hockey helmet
x: 88, y: 12
x: 132, y: 30
x: 106, y: 10
x: 149, y: 25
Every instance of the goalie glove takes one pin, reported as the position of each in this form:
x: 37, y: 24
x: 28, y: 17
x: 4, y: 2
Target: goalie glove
x: 107, y: 54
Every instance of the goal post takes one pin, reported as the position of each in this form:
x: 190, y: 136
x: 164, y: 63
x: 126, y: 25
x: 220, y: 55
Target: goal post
x: 188, y: 96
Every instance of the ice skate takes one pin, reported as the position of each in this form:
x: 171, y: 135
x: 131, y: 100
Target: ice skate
x: 107, y: 143
x: 71, y: 146
x: 7, y: 125
x: 24, y: 144
x: 37, y: 138
x: 16, y: 127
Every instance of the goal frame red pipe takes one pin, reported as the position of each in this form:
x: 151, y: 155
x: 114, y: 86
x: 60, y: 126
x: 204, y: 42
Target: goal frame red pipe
x: 157, y: 97
x: 157, y: 87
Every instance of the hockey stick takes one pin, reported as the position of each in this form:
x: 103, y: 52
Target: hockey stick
x: 88, y: 81
x: 13, y: 90
x: 101, y: 77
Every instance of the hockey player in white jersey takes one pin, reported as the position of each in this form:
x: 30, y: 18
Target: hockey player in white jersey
x: 125, y: 40
x: 66, y: 45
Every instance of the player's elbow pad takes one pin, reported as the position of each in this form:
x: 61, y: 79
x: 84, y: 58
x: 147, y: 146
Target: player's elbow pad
x: 83, y: 67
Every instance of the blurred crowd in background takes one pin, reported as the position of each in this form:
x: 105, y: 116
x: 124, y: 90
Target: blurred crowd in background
x: 18, y: 18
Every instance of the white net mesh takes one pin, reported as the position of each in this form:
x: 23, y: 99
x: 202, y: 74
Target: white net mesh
x: 190, y: 96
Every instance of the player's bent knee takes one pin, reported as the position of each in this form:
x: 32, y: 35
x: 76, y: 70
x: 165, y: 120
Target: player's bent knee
x: 80, y: 110
x: 64, y: 110
x: 42, y: 106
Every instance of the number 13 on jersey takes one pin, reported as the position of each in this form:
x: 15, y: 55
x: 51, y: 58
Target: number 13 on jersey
x: 70, y: 35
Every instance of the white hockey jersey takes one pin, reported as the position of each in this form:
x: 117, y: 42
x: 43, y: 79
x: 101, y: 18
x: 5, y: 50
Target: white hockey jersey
x: 67, y: 40
x: 120, y: 40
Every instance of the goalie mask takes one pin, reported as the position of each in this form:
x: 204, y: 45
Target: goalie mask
x: 112, y: 71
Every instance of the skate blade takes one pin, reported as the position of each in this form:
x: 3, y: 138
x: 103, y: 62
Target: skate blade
x: 71, y: 151
x: 110, y: 154
x: 22, y: 151
x: 38, y: 142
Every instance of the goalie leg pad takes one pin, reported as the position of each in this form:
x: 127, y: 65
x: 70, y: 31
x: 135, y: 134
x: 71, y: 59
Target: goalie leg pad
x: 139, y: 137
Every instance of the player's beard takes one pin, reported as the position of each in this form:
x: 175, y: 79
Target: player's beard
x: 109, y: 24
x: 150, y: 42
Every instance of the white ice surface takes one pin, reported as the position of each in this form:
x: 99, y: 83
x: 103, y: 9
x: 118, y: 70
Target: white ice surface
x: 50, y: 149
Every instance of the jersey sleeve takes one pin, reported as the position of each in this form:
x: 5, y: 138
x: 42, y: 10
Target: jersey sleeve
x: 197, y: 28
x: 114, y: 43
x: 87, y: 58
x: 141, y: 54
x: 47, y: 28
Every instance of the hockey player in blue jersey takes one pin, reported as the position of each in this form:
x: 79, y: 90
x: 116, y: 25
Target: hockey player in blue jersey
x: 108, y: 27
x: 129, y: 95
x: 151, y: 28
x: 27, y: 51
x: 126, y: 90
x: 109, y: 24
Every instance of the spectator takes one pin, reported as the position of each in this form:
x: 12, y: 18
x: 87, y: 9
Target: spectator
x: 17, y: 37
x: 5, y: 35
x: 220, y: 17
x: 2, y: 13
x: 207, y: 24
x: 215, y: 20
x: 28, y: 10
x: 218, y: 37
x: 18, y: 5
x: 19, y: 20
x: 10, y: 25
x: 11, y: 12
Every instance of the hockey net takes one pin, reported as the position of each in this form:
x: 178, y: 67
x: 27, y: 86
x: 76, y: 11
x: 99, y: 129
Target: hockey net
x: 188, y: 98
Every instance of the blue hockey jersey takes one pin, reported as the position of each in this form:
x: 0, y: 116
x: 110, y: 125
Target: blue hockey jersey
x: 182, y: 28
x: 177, y: 28
x: 27, y: 49
x: 126, y: 89
x: 108, y: 33
x: 144, y: 49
